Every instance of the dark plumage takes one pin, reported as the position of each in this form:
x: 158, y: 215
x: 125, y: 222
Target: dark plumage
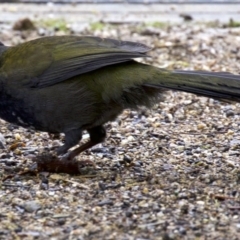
x: 69, y: 84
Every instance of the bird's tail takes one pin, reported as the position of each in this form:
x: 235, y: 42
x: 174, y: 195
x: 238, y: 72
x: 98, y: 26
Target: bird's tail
x: 220, y: 85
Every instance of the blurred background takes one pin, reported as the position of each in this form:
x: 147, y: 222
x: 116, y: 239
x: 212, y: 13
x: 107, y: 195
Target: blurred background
x: 79, y: 15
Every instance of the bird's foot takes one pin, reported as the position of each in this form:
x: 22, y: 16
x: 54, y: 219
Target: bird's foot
x: 69, y: 156
x: 66, y: 157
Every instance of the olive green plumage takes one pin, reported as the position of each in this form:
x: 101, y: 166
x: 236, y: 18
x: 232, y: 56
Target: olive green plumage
x: 69, y: 84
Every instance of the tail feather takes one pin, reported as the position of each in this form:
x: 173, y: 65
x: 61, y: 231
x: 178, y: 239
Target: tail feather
x: 220, y: 85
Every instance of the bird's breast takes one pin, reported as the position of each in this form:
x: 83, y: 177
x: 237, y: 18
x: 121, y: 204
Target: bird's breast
x: 13, y: 110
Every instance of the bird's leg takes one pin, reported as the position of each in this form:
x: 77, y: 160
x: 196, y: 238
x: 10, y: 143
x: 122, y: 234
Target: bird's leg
x: 97, y: 135
x: 72, y: 138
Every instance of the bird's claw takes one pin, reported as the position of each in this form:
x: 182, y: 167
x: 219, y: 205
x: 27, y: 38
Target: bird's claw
x: 66, y: 157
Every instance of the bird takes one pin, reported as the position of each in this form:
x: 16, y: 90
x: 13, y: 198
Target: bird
x: 69, y: 84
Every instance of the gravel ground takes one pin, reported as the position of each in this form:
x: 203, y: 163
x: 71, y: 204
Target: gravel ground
x: 167, y: 173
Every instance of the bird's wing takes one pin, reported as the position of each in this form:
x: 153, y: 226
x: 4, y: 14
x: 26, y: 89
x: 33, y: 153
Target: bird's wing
x: 51, y: 60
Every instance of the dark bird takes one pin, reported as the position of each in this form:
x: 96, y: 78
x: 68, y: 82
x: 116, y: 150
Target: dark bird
x: 68, y: 84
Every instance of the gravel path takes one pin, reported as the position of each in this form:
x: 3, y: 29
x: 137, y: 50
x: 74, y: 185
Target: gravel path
x: 121, y: 12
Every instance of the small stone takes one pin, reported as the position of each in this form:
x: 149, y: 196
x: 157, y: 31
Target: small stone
x: 32, y: 206
x: 2, y: 141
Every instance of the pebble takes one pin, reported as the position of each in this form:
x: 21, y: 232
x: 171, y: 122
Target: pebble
x: 2, y: 141
x: 32, y: 206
